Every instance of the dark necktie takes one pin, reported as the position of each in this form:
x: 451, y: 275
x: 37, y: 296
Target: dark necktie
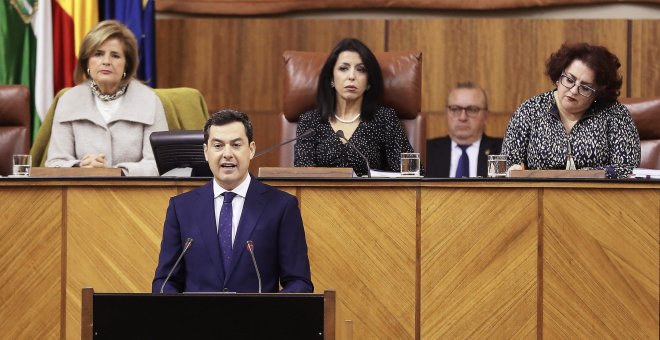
x: 463, y: 168
x: 224, y: 230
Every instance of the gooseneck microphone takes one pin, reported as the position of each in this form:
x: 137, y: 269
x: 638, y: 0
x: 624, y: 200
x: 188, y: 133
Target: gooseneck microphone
x: 340, y: 134
x: 302, y: 135
x: 189, y: 242
x: 250, y: 248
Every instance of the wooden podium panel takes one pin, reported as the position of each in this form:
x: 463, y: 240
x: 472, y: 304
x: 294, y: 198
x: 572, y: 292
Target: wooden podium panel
x: 30, y: 263
x: 113, y: 242
x: 601, y: 264
x: 362, y: 243
x: 479, y: 263
x: 424, y: 259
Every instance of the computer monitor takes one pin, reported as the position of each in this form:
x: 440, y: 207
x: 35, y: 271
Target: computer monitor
x: 180, y: 149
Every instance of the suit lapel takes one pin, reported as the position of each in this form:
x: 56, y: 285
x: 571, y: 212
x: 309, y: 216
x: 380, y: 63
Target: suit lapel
x: 208, y: 229
x: 252, y: 209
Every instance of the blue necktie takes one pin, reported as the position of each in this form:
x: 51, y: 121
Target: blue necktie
x: 463, y: 168
x: 224, y: 230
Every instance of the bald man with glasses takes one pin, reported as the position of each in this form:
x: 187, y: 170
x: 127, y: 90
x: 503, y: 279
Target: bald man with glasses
x: 463, y: 153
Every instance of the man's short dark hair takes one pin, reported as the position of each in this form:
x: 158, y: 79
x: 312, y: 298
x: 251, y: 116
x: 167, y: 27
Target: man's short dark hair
x: 224, y: 117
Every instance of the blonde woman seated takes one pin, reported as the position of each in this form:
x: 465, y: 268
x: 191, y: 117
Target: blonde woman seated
x: 106, y: 120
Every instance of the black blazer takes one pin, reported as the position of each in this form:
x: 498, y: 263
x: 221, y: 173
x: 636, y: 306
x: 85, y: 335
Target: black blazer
x: 438, y: 155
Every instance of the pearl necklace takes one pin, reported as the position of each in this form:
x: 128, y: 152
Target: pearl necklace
x: 347, y: 121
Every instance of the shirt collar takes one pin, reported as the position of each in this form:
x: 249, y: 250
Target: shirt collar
x: 240, y: 190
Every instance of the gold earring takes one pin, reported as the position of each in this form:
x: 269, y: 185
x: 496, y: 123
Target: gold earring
x: 124, y: 75
x: 88, y: 73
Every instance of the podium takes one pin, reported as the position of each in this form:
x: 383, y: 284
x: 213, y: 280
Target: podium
x: 207, y: 316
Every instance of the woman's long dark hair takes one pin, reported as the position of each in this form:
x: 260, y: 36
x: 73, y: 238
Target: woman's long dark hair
x: 372, y: 98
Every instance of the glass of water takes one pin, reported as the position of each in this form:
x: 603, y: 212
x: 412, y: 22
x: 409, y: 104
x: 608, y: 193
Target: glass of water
x: 410, y: 164
x: 497, y: 166
x: 22, y: 165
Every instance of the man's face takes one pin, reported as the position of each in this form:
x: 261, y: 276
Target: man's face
x: 229, y: 153
x: 466, y: 115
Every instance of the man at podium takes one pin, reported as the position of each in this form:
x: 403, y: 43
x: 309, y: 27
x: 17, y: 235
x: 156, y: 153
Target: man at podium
x: 234, y: 234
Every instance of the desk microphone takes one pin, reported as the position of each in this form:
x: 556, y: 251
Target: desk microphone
x: 250, y: 247
x: 303, y: 135
x: 189, y: 242
x: 340, y: 134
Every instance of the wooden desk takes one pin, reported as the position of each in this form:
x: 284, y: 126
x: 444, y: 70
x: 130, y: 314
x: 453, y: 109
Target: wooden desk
x: 409, y: 259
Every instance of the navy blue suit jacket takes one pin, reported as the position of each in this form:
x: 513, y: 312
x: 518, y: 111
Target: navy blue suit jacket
x: 438, y: 155
x: 270, y: 218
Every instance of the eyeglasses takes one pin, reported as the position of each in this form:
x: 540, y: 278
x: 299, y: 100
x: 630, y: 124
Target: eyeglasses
x: 470, y: 111
x: 569, y: 83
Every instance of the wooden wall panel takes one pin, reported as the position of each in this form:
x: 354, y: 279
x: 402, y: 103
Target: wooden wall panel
x: 479, y: 265
x: 370, y: 262
x: 645, y: 73
x: 113, y: 242
x: 30, y: 274
x: 601, y: 266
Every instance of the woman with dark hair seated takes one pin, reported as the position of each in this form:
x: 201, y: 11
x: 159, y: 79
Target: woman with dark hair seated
x: 349, y: 97
x: 578, y: 125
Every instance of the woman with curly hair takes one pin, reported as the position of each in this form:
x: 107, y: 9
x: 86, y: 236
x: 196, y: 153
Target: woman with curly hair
x: 579, y: 124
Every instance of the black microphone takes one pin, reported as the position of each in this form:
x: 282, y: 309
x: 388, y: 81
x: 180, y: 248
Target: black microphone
x: 302, y: 135
x: 250, y: 248
x: 189, y: 242
x: 340, y: 134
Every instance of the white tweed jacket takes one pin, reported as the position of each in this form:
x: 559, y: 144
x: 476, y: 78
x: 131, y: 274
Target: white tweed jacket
x: 79, y: 129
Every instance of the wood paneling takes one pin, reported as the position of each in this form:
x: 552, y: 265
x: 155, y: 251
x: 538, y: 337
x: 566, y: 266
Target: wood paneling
x: 645, y: 73
x: 30, y: 263
x: 409, y: 259
x: 601, y: 265
x: 369, y: 261
x: 113, y: 242
x: 479, y: 264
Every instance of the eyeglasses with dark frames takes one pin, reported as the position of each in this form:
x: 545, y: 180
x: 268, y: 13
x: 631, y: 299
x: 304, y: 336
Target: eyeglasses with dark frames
x: 470, y: 111
x: 568, y: 82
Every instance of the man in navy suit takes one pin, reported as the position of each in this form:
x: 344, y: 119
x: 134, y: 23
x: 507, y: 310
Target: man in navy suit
x: 218, y: 259
x: 465, y: 151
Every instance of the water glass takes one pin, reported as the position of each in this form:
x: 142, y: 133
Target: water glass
x: 410, y: 164
x: 22, y: 165
x: 497, y: 166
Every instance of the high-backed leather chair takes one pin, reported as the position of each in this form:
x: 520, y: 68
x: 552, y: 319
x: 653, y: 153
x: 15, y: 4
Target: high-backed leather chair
x: 185, y: 109
x: 646, y: 114
x: 14, y: 124
x: 402, y: 77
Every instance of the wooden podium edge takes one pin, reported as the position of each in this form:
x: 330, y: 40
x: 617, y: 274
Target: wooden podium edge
x: 75, y: 172
x: 87, y: 314
x: 557, y: 174
x: 329, y: 314
x: 305, y: 172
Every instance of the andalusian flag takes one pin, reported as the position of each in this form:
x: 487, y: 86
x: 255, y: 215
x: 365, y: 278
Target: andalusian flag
x: 40, y: 40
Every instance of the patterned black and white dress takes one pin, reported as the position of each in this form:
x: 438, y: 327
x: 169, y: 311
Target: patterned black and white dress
x: 382, y: 141
x: 601, y: 139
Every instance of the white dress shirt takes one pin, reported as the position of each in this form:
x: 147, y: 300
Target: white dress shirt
x: 236, y: 204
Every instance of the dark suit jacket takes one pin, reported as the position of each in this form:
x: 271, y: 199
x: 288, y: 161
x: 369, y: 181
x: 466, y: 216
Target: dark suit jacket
x: 270, y: 218
x: 438, y: 155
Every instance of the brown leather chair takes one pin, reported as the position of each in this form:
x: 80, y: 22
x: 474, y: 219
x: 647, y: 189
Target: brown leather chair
x: 15, y: 123
x: 402, y: 77
x: 646, y: 114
